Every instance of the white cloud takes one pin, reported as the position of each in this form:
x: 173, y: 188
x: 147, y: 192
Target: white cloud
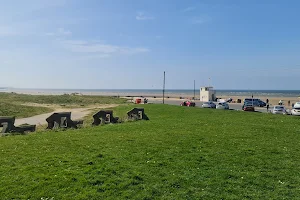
x: 200, y: 20
x: 92, y: 57
x: 197, y: 21
x: 60, y: 32
x: 188, y: 9
x: 143, y: 16
x: 104, y: 50
x: 64, y: 32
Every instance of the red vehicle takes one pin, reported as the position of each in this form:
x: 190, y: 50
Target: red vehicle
x: 248, y: 107
x: 188, y: 103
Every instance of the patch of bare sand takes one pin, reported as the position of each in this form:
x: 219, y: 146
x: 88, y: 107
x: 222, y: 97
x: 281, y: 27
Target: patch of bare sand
x: 77, y: 113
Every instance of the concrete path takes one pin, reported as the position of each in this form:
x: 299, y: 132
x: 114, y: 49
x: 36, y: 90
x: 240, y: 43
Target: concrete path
x: 77, y: 113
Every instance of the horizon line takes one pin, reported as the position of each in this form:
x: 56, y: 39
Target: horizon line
x: 146, y: 89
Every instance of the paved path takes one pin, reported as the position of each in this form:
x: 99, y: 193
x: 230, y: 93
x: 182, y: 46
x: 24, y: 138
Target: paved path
x: 77, y: 113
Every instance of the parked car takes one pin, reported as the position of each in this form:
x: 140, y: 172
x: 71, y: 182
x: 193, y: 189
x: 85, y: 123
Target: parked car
x: 279, y: 110
x: 222, y: 105
x: 248, y: 107
x: 261, y: 103
x: 295, y: 111
x: 256, y: 102
x: 208, y: 104
x: 297, y: 105
x: 188, y: 103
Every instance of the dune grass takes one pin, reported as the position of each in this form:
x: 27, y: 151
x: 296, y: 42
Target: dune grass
x: 60, y: 99
x: 181, y: 153
x: 20, y: 111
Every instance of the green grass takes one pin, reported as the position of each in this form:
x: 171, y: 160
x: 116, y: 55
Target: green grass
x: 181, y: 153
x: 20, y: 111
x: 10, y: 103
x: 60, y: 99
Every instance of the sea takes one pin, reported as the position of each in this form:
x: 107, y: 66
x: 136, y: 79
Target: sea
x: 154, y: 92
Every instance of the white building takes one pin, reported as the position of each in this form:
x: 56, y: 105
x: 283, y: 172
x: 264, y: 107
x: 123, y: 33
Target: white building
x: 207, y: 94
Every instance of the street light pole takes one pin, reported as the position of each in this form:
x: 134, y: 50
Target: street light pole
x: 164, y: 85
x: 194, y: 89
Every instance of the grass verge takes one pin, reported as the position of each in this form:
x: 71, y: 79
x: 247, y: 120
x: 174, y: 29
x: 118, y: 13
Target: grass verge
x: 181, y: 153
x: 20, y: 111
x: 67, y: 99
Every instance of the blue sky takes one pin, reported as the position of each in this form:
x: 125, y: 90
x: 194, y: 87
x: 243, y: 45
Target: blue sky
x: 127, y: 44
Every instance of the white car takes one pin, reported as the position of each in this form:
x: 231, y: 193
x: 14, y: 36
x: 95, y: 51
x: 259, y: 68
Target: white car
x: 208, y: 104
x: 295, y: 111
x: 297, y: 105
x: 279, y: 110
x: 222, y: 105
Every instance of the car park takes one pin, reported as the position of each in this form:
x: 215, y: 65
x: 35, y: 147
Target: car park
x: 222, y: 105
x: 279, y: 110
x: 209, y: 104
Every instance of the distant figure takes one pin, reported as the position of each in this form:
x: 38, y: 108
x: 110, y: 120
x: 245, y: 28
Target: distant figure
x: 280, y: 102
x: 268, y: 107
x: 267, y: 101
x: 289, y: 102
x: 145, y: 100
x: 292, y: 105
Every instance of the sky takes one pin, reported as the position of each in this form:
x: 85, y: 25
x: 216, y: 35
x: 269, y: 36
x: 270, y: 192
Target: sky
x: 128, y: 44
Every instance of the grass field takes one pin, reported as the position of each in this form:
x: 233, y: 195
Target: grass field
x: 11, y: 103
x: 20, y: 111
x: 60, y: 99
x: 181, y: 153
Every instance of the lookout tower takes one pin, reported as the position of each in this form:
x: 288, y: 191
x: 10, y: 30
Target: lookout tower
x: 207, y: 94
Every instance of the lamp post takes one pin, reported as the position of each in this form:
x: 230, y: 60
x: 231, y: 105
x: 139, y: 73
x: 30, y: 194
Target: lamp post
x: 194, y: 89
x: 164, y: 85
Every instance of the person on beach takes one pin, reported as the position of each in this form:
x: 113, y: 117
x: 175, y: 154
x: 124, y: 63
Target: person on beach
x: 289, y: 102
x: 268, y: 107
x: 145, y: 100
x: 280, y: 102
x: 267, y: 101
